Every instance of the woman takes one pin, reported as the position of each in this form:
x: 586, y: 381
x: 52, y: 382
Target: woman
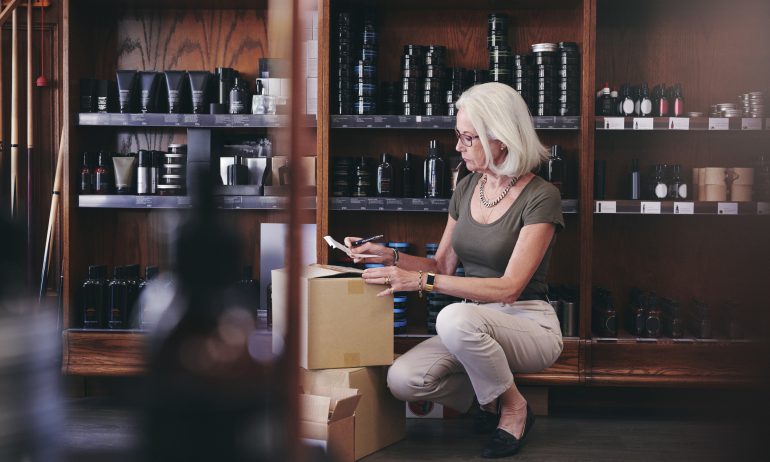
x: 501, y: 227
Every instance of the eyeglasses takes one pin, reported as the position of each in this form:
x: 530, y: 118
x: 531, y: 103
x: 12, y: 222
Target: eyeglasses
x: 466, y: 140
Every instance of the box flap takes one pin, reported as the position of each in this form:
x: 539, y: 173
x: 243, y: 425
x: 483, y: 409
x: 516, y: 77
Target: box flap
x: 334, y: 270
x: 345, y: 407
x: 315, y: 408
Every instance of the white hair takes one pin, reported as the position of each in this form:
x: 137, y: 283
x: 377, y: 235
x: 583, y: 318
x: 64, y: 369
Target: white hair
x: 498, y: 112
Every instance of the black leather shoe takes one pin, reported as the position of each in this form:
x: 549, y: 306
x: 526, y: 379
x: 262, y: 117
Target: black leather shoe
x: 503, y: 444
x: 485, y: 422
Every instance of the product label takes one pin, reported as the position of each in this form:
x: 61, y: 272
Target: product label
x: 679, y: 123
x: 643, y: 123
x: 682, y: 191
x: 661, y: 191
x: 727, y: 208
x: 197, y: 100
x: 719, y: 123
x: 645, y: 107
x: 606, y: 207
x: 684, y: 208
x: 627, y: 107
x: 90, y: 315
x: 173, y: 100
x: 142, y: 180
x: 614, y: 123
x: 236, y: 107
x: 763, y: 208
x: 101, y: 103
x: 751, y: 123
x: 650, y: 208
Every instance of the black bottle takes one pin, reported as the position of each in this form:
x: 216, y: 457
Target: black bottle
x: 133, y: 281
x: 673, y: 322
x: 385, y: 177
x: 653, y: 324
x: 407, y: 177
x: 659, y: 185
x: 86, y: 176
x: 635, y: 180
x: 94, y: 298
x: 638, y: 312
x: 362, y: 183
x: 102, y: 175
x: 150, y: 273
x: 118, y: 300
x: 283, y: 174
x: 237, y: 173
x: 239, y: 96
x: 605, y: 102
x: 677, y: 101
x: 677, y: 189
x: 556, y: 169
x: 434, y: 173
x: 248, y: 290
x: 626, y: 104
x: 645, y: 103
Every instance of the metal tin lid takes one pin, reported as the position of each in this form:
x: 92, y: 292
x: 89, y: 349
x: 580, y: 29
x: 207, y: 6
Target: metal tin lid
x: 174, y: 166
x: 172, y: 177
x: 174, y: 155
x: 541, y: 47
x: 169, y: 186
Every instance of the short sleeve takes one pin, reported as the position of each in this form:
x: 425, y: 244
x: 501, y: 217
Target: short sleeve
x: 461, y: 192
x: 544, y: 207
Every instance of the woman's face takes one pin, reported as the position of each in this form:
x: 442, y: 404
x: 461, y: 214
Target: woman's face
x: 473, y: 155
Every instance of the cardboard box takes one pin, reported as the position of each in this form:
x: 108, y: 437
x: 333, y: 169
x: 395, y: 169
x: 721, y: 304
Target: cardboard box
x: 327, y: 420
x: 306, y: 162
x: 343, y: 323
x: 380, y: 418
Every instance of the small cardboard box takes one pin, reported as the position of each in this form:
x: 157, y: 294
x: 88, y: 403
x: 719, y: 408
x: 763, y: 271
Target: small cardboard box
x: 343, y: 323
x: 327, y: 420
x: 307, y: 163
x: 380, y: 419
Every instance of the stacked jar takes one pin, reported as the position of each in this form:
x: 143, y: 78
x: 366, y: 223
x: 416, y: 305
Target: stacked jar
x: 436, y: 301
x: 362, y: 182
x: 408, y: 89
x: 434, y: 81
x: 545, y: 64
x: 457, y: 82
x: 476, y: 77
x: 522, y: 77
x: 365, y: 70
x: 173, y: 174
x: 342, y: 172
x: 342, y: 76
x: 499, y: 51
x: 569, y: 79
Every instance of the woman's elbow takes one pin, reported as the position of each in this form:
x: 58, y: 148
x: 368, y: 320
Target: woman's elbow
x: 511, y: 297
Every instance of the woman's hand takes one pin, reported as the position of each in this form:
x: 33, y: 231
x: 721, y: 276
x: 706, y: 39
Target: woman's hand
x: 384, y: 254
x: 394, y: 278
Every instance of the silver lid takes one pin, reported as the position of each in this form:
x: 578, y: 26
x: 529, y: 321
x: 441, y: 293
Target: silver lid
x: 169, y: 186
x: 694, y: 114
x: 541, y: 47
x: 172, y: 177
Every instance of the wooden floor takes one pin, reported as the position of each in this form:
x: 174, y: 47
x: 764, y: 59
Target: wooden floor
x: 95, y: 431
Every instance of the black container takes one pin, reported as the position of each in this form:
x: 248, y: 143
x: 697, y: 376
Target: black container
x: 435, y: 109
x: 362, y: 185
x: 407, y: 177
x: 411, y: 109
x: 94, y: 296
x: 342, y: 173
x: 385, y: 179
x: 434, y: 172
x: 364, y: 106
x: 477, y: 76
x: 117, y: 308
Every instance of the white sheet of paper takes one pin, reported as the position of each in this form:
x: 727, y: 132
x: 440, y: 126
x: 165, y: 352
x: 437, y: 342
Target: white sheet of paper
x: 332, y: 243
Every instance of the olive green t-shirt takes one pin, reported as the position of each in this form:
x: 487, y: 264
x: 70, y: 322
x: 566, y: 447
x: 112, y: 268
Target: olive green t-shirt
x: 485, y: 249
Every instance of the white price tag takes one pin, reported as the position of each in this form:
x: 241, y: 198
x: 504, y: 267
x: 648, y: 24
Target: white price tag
x: 418, y: 119
x: 727, y: 208
x: 679, y: 123
x: 643, y: 123
x: 719, y: 123
x: 606, y: 207
x: 684, y: 208
x: 751, y: 123
x: 650, y: 208
x: 763, y: 208
x: 614, y: 123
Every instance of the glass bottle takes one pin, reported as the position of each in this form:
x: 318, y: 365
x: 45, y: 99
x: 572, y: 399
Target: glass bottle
x: 660, y: 187
x: 93, y: 298
x: 239, y: 95
x: 626, y: 102
x: 434, y: 172
x: 638, y: 312
x: 701, y: 320
x: 677, y: 189
x: 635, y: 180
x: 363, y: 179
x: 118, y: 300
x: 385, y: 177
x: 407, y: 177
x: 645, y: 103
x: 86, y: 176
x: 133, y: 281
x: 678, y: 100
x: 102, y: 175
x: 674, y: 322
x: 653, y: 322
x: 556, y: 169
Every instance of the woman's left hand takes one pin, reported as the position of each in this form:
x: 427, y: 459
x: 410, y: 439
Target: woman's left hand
x: 398, y: 280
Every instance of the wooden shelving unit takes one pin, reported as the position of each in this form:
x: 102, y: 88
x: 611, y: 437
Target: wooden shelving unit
x: 705, y: 255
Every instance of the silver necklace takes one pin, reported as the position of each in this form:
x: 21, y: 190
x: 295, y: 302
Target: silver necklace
x: 502, y: 195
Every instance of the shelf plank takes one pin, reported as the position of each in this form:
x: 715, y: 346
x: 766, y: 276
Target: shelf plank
x: 224, y: 202
x: 684, y: 207
x: 102, y: 352
x: 437, y: 122
x: 187, y: 120
x: 398, y: 204
x: 679, y: 124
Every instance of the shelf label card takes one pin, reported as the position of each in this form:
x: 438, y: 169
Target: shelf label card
x: 684, y: 208
x: 751, y: 123
x: 719, y: 123
x: 606, y: 207
x: 727, y: 208
x: 679, y: 123
x: 652, y: 208
x: 418, y: 119
x: 614, y: 123
x: 763, y: 208
x: 643, y: 123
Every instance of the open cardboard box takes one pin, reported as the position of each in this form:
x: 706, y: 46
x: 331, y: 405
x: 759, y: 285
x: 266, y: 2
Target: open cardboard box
x: 343, y: 323
x: 327, y: 419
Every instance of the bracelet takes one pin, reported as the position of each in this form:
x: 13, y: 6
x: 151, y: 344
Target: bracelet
x: 395, y: 257
x: 419, y: 283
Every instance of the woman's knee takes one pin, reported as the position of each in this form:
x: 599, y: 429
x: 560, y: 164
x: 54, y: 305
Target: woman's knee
x: 400, y: 380
x: 453, y: 322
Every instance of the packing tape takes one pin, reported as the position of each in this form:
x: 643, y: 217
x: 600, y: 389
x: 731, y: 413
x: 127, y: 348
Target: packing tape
x: 351, y: 359
x: 355, y: 287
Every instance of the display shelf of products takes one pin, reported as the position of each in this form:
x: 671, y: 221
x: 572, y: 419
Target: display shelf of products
x: 438, y: 122
x: 103, y: 352
x: 682, y: 123
x: 397, y: 204
x: 629, y: 207
x: 626, y: 337
x: 184, y: 202
x: 188, y: 120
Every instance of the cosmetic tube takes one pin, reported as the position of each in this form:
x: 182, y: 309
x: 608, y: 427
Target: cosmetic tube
x: 126, y: 85
x: 174, y: 83
x: 148, y: 83
x: 124, y: 173
x: 199, y: 81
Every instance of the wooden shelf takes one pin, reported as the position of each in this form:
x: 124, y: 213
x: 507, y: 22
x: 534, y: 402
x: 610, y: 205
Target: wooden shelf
x: 114, y: 201
x: 626, y: 207
x: 437, y: 122
x: 398, y: 204
x: 187, y: 120
x: 103, y: 352
x: 674, y: 124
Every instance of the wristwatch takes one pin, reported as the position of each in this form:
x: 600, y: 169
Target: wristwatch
x: 429, y: 281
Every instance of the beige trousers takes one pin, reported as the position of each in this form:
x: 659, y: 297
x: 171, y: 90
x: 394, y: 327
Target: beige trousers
x: 476, y: 351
